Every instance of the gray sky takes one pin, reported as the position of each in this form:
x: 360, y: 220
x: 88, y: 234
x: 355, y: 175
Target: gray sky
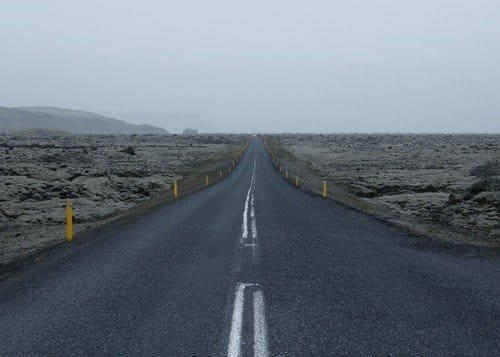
x: 314, y: 66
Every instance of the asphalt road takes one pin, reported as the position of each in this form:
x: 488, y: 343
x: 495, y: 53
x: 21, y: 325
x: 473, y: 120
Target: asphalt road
x: 251, y: 266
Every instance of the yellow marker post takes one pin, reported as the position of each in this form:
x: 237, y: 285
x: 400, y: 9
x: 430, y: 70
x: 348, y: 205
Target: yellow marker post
x: 69, y: 221
x: 296, y: 180
x: 229, y: 169
x: 176, y: 189
x: 220, y: 174
x: 286, y: 175
x: 206, y: 181
x: 323, y: 191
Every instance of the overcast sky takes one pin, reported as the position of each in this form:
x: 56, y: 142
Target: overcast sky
x: 313, y: 66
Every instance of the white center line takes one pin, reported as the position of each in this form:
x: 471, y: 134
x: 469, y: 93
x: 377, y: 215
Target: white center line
x: 252, y: 211
x: 261, y: 347
x: 244, y: 225
x: 235, y: 336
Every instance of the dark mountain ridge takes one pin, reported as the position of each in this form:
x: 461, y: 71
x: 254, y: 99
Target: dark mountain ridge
x: 18, y: 119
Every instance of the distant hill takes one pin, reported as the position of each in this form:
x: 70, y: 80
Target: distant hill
x: 13, y: 120
x: 42, y: 131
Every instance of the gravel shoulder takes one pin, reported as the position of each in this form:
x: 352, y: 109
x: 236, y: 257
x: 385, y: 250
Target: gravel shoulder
x: 439, y: 186
x: 108, y: 177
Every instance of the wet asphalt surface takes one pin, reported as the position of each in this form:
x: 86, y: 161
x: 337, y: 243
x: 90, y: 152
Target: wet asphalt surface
x: 334, y: 282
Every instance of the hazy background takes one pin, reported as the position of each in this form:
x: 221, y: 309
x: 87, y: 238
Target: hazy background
x: 314, y: 66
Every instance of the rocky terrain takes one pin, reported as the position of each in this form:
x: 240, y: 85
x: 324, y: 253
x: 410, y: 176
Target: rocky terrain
x: 104, y: 175
x: 444, y: 186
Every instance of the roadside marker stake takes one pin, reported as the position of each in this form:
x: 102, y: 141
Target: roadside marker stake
x: 324, y: 192
x: 69, y: 221
x: 297, y: 180
x: 176, y: 189
x: 206, y: 181
x: 286, y: 175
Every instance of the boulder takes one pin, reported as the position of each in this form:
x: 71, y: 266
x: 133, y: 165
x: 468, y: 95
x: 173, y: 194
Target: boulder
x: 363, y: 191
x: 129, y: 150
x: 454, y: 198
x: 491, y: 197
x: 489, y: 184
x: 189, y: 131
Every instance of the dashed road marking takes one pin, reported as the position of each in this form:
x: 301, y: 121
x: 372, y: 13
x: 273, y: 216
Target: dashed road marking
x: 249, y: 203
x: 234, y: 348
x: 260, y: 346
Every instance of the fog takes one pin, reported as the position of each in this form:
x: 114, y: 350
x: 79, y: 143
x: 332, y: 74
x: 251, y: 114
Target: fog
x: 266, y: 66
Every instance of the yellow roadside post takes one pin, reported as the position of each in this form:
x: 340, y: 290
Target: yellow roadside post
x: 206, y: 181
x: 69, y: 221
x: 286, y: 175
x: 220, y: 174
x: 296, y: 180
x: 324, y: 193
x: 176, y: 189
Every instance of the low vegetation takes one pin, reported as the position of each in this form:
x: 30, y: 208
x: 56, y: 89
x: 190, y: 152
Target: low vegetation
x: 104, y: 175
x: 444, y: 186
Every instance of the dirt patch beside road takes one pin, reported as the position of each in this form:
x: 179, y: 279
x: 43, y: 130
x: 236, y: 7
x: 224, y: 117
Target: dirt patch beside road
x: 106, y: 176
x: 443, y: 186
